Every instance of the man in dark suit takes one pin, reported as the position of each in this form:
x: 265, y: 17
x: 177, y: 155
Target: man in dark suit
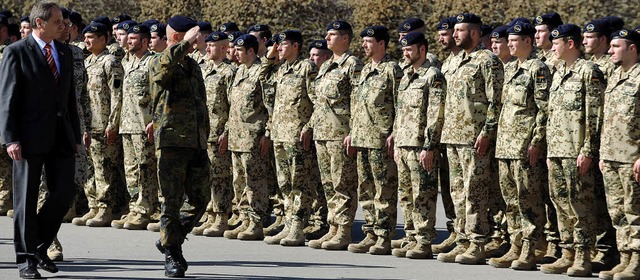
x: 40, y: 128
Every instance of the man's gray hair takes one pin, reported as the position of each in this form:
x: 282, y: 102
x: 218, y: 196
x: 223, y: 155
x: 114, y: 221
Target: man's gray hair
x: 41, y: 10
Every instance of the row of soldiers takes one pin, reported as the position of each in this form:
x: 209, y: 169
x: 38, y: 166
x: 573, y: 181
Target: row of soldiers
x: 298, y: 137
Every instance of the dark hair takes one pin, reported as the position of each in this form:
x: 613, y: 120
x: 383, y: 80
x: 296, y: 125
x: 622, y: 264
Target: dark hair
x: 41, y: 10
x: 576, y: 39
x: 347, y: 32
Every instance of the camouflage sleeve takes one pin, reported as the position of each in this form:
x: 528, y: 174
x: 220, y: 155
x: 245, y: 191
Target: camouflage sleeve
x: 595, y: 86
x: 84, y: 101
x: 161, y: 68
x: 354, y: 70
x: 114, y: 71
x: 310, y: 77
x: 436, y: 95
x: 542, y: 78
x: 397, y: 74
x: 493, y: 73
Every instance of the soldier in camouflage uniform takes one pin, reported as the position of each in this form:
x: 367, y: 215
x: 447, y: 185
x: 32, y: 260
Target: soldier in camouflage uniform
x: 499, y: 44
x: 291, y: 135
x: 520, y: 147
x: 158, y: 41
x: 620, y: 153
x: 180, y: 129
x: 337, y: 78
x: 416, y: 133
x: 371, y: 137
x: 471, y: 118
x: 199, y: 54
x: 575, y: 114
x: 416, y: 25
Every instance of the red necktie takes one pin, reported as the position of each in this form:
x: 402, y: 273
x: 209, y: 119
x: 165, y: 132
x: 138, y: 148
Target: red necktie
x: 52, y: 63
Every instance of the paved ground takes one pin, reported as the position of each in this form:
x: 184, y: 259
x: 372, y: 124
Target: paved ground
x: 107, y: 253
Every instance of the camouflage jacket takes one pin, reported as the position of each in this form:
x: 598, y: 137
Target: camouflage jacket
x: 621, y: 123
x: 292, y: 107
x: 200, y: 58
x: 449, y: 65
x: 248, y: 115
x: 115, y: 50
x: 179, y: 99
x: 549, y: 58
x: 136, y: 98
x: 373, y: 104
x: 217, y: 81
x: 523, y: 118
x: 104, y: 85
x: 605, y: 64
x: 420, y: 108
x: 575, y: 110
x: 474, y: 90
x: 82, y: 96
x: 268, y: 70
x: 332, y: 102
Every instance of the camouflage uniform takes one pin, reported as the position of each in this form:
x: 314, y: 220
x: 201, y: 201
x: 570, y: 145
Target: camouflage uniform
x: 200, y: 58
x: 522, y: 124
x: 605, y: 64
x: 372, y: 117
x: 330, y: 122
x: 105, y: 93
x: 181, y: 128
x: 575, y: 113
x: 115, y: 50
x: 139, y: 156
x: 472, y: 109
x: 417, y: 127
x: 619, y: 151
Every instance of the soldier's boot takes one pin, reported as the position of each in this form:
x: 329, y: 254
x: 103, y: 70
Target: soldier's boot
x: 475, y: 254
x: 218, y: 227
x: 561, y: 265
x: 625, y: 257
x: 382, y: 246
x: 233, y: 233
x: 199, y: 230
x: 506, y: 260
x: 10, y: 213
x: 315, y: 231
x: 137, y: 222
x: 553, y: 251
x: 402, y: 251
x: 102, y: 219
x: 82, y: 221
x: 173, y: 267
x: 54, y: 252
x: 234, y: 221
x: 253, y: 232
x: 603, y: 260
x: 71, y: 214
x: 632, y: 271
x: 275, y: 227
x: 119, y: 224
x: 340, y: 241
x: 364, y: 245
x: 317, y: 243
x: 399, y: 243
x: 155, y: 227
x: 581, y: 263
x: 295, y: 236
x: 450, y: 256
x: 527, y: 259
x: 422, y: 250
x: 275, y: 239
x: 446, y: 245
x: 496, y: 247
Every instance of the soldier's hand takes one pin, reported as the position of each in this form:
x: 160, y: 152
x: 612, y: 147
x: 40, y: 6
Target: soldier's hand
x: 636, y: 169
x: 427, y: 159
x: 273, y: 52
x: 149, y: 131
x: 223, y: 143
x: 111, y: 136
x: 346, y: 143
x: 481, y: 146
x: 265, y: 144
x: 583, y: 163
x: 390, y: 145
x: 192, y: 34
x: 305, y: 138
x: 534, y: 153
x: 396, y: 157
x: 548, y: 163
x: 601, y: 166
x: 86, y: 139
x: 15, y: 151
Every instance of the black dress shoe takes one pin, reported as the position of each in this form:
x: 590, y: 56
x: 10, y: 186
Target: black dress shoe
x: 30, y: 272
x: 46, y: 263
x: 172, y: 266
x: 178, y: 251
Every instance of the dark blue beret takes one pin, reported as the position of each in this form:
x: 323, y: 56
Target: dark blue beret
x: 65, y: 13
x: 159, y: 28
x: 522, y: 28
x: 519, y: 19
x: 413, y: 38
x: 75, y: 18
x: 377, y: 31
x: 205, y: 26
x: 552, y: 20
x: 181, y: 23
x: 485, y: 30
x: 410, y: 25
x: 499, y: 32
x: 597, y: 26
x: 468, y: 18
x: 247, y: 41
x: 150, y: 22
x: 319, y: 44
x: 139, y: 29
x: 627, y: 34
x: 446, y: 23
x: 120, y: 18
x: 124, y: 25
x: 6, y: 13
x: 24, y: 19
x: 615, y: 23
x: 290, y: 35
x: 95, y: 27
x: 4, y: 20
x: 566, y: 31
x: 339, y: 25
x: 216, y: 36
x: 102, y: 19
x: 258, y: 28
x: 234, y: 35
x: 229, y: 27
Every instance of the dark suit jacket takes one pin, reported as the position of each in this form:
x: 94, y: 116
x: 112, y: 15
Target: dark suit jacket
x: 31, y: 101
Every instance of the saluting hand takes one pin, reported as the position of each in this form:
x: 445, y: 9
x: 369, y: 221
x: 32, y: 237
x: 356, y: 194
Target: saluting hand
x: 192, y: 35
x: 273, y: 52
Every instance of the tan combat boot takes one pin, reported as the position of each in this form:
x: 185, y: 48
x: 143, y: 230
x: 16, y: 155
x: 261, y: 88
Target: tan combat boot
x: 275, y: 227
x: 82, y: 221
x: 422, y: 250
x: 233, y: 234
x: 155, y: 227
x: 493, y: 247
x: 317, y: 243
x: 506, y: 260
x: 581, y: 263
x: 382, y: 246
x: 295, y: 236
x: 402, y: 251
x: 527, y: 259
x: 253, y: 232
x: 71, y: 214
x: 399, y: 243
x: 340, y: 241
x: 275, y: 239
x: 553, y: 251
x: 137, y: 222
x: 625, y: 257
x: 561, y: 265
x: 450, y: 256
x: 474, y: 255
x: 54, y: 252
x: 102, y: 219
x: 234, y: 221
x: 315, y: 231
x: 199, y: 230
x: 364, y: 245
x: 632, y: 271
x: 446, y: 245
x: 218, y: 227
x: 119, y: 224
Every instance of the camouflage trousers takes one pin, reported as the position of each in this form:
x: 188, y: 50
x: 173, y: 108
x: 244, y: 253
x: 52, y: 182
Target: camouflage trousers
x: 573, y: 197
x: 551, y: 230
x: 604, y: 231
x: 318, y: 212
x: 419, y: 189
x: 521, y: 188
x: 140, y: 173
x: 496, y: 205
x: 221, y: 188
x: 182, y: 173
x: 251, y: 184
x: 378, y: 191
x: 339, y: 179
x: 623, y: 201
x: 470, y: 185
x: 108, y: 172
x: 293, y: 167
x: 6, y: 183
x: 276, y: 199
